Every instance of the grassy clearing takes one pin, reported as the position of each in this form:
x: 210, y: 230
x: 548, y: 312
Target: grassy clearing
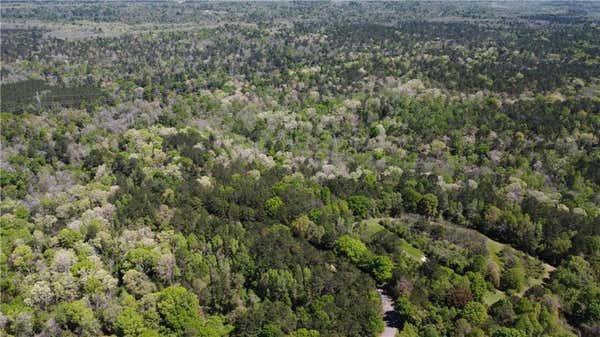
x: 493, y: 296
x: 494, y: 249
x: 535, y: 281
x: 366, y: 229
x: 412, y: 251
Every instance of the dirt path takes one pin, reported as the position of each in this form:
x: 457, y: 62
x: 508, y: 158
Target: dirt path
x: 390, y: 317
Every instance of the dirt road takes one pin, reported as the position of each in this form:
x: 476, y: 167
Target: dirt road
x: 390, y: 317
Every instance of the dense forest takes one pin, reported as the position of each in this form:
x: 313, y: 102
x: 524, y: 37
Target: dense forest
x: 285, y: 169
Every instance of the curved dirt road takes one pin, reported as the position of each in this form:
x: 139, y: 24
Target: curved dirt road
x: 390, y: 317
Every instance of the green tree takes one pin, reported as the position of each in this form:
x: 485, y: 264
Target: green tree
x: 353, y: 249
x: 271, y: 330
x: 508, y: 332
x: 382, y: 268
x: 178, y: 310
x: 561, y: 244
x: 302, y: 225
x: 130, y: 323
x: 277, y: 285
x: 77, y: 317
x: 22, y: 257
x: 428, y: 205
x: 503, y: 311
x: 360, y: 205
x: 411, y: 199
x: 407, y: 312
x: 150, y: 333
x: 430, y: 331
x: 409, y: 330
x: 477, y: 284
x: 513, y: 279
x: 273, y: 206
x: 68, y: 237
x: 475, y: 313
x: 304, y: 333
x: 142, y: 259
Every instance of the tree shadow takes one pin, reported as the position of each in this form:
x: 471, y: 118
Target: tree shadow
x: 392, y: 319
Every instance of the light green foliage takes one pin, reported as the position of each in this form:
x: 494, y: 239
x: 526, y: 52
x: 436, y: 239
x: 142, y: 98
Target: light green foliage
x: 382, y: 268
x: 13, y: 231
x: 428, y: 205
x: 169, y: 169
x: 475, y: 313
x: 302, y: 225
x: 513, y: 279
x: 491, y: 297
x: 409, y: 330
x: 77, y: 317
x: 130, y: 323
x: 215, y: 326
x: 67, y: 237
x: 354, y: 249
x: 270, y: 330
x: 304, y: 333
x: 198, y: 266
x: 508, y: 332
x: 150, y: 333
x: 407, y: 312
x: 477, y: 332
x: 278, y: 285
x: 22, y: 257
x: 143, y: 259
x: 360, y: 205
x: 561, y: 244
x: 430, y: 331
x: 178, y: 310
x: 478, y: 285
x: 21, y: 212
x: 273, y: 206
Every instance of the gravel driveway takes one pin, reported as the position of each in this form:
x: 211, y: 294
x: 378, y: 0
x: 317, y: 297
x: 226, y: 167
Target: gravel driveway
x: 390, y: 317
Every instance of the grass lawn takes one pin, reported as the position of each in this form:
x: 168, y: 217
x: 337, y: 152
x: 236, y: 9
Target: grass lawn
x: 367, y: 228
x: 492, y: 297
x: 494, y: 249
x: 412, y: 251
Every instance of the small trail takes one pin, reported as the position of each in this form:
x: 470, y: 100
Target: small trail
x: 390, y: 317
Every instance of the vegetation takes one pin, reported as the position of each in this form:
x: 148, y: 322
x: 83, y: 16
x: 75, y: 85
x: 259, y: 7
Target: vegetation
x: 260, y: 169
